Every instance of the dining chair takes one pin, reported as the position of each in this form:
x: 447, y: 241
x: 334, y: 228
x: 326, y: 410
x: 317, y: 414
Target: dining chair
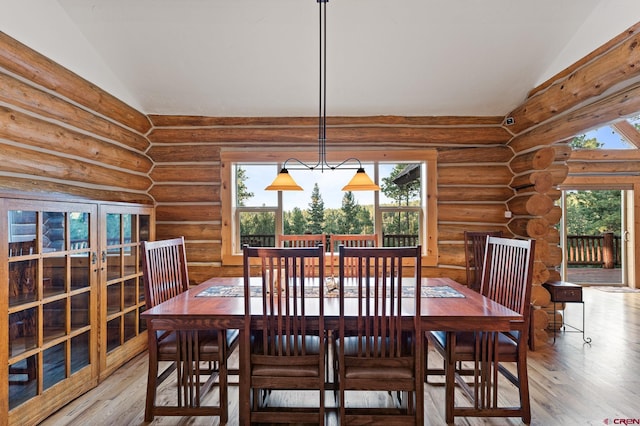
x: 381, y: 350
x: 286, y: 333
x: 349, y: 240
x: 474, y: 246
x: 480, y: 356
x: 191, y: 353
x: 304, y: 240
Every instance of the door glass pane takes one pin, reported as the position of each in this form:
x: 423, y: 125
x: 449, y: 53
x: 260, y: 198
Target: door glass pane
x: 143, y: 323
x: 54, y: 317
x: 114, y: 263
x: 23, y: 230
x: 54, y: 275
x: 145, y: 227
x: 130, y: 328
x: 127, y: 226
x: 53, y: 231
x: 113, y: 229
x: 129, y: 260
x: 130, y: 293
x: 22, y: 381
x: 79, y: 352
x: 113, y: 298
x: 113, y: 334
x: 22, y: 331
x: 80, y: 270
x: 79, y: 230
x: 22, y: 282
x: 80, y: 310
x: 54, y: 365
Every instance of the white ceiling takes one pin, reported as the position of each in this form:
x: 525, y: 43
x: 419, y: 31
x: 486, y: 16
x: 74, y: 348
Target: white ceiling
x: 260, y: 57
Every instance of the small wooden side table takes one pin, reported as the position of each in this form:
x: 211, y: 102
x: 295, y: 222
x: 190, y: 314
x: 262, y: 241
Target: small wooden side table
x: 565, y: 292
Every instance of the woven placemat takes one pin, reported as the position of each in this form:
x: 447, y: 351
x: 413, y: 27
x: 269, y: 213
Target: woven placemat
x: 256, y: 291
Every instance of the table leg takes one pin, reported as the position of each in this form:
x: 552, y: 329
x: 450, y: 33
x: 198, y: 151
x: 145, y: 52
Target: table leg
x: 244, y: 377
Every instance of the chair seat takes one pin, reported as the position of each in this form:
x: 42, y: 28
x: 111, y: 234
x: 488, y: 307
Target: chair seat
x: 465, y: 343
x: 207, y: 342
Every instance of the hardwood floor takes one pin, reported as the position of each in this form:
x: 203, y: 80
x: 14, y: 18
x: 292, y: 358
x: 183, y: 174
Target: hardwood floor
x: 572, y: 383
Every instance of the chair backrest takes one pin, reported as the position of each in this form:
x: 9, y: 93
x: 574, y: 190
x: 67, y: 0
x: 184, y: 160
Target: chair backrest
x: 507, y: 274
x: 382, y: 280
x: 164, y: 267
x: 349, y: 240
x: 474, y: 246
x: 284, y: 282
x: 302, y: 240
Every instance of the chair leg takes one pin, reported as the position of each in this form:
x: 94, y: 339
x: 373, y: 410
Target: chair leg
x: 151, y: 389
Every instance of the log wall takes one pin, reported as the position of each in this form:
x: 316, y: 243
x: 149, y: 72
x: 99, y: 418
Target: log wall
x: 60, y: 134
x: 473, y: 173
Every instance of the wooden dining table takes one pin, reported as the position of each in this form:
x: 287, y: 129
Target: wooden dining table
x: 200, y: 308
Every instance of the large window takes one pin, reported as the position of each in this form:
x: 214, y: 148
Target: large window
x: 402, y: 213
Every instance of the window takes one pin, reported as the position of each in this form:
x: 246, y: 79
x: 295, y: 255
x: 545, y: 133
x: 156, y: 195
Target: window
x: 402, y: 213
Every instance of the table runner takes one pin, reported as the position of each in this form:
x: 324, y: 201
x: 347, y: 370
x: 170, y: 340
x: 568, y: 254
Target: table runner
x: 255, y: 291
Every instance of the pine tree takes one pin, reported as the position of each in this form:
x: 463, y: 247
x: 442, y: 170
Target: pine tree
x: 316, y: 212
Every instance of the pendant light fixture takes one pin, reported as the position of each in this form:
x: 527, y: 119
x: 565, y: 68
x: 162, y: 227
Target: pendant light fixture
x: 361, y: 181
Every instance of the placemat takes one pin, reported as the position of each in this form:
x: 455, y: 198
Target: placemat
x: 255, y: 291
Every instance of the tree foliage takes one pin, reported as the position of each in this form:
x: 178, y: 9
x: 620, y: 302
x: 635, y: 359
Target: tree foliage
x: 593, y: 212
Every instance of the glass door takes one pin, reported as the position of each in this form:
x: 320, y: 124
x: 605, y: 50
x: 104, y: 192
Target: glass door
x: 595, y: 231
x: 52, y: 299
x: 122, y: 288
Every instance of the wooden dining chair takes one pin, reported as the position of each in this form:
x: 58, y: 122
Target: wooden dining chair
x: 349, y: 240
x: 381, y: 351
x: 474, y: 246
x: 304, y: 240
x: 287, y: 333
x: 481, y: 356
x: 191, y: 353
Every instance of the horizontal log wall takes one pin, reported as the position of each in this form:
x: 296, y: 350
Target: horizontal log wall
x: 473, y: 173
x: 60, y: 134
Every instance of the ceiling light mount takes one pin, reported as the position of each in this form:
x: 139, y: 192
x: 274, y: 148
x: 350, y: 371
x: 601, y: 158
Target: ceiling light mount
x: 361, y: 181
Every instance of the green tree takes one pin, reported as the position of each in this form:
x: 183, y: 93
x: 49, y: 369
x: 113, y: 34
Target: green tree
x: 581, y: 142
x: 349, y: 218
x: 295, y: 222
x: 593, y: 212
x: 316, y: 212
x: 243, y: 193
x: 403, y: 194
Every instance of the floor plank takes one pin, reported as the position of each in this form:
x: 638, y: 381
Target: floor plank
x: 571, y: 382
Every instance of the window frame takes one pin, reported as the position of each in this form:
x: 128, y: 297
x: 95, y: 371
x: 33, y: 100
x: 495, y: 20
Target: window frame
x: 429, y: 218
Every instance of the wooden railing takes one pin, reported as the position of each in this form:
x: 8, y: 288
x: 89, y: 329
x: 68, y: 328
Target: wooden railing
x: 602, y: 250
x: 388, y: 240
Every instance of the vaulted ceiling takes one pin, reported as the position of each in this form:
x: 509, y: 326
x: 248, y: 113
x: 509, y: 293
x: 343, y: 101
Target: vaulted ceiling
x: 260, y: 58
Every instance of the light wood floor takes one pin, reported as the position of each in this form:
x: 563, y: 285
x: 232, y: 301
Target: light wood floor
x: 572, y: 383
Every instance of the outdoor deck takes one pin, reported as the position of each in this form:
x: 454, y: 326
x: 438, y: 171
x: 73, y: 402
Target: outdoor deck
x: 599, y: 276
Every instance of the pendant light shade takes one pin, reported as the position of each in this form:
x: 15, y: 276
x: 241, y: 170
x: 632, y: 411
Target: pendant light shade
x: 284, y: 182
x: 361, y: 182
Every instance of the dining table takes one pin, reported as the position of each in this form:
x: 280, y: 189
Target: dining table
x: 218, y: 303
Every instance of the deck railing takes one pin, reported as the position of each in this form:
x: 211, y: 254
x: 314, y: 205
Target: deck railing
x: 388, y: 240
x: 601, y: 250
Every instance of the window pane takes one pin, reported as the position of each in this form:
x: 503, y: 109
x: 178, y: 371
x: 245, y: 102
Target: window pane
x: 113, y: 263
x: 400, y: 228
x: 400, y: 184
x: 258, y: 229
x: 251, y: 179
x: 22, y: 381
x: 113, y: 229
x: 114, y: 294
x: 113, y: 334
